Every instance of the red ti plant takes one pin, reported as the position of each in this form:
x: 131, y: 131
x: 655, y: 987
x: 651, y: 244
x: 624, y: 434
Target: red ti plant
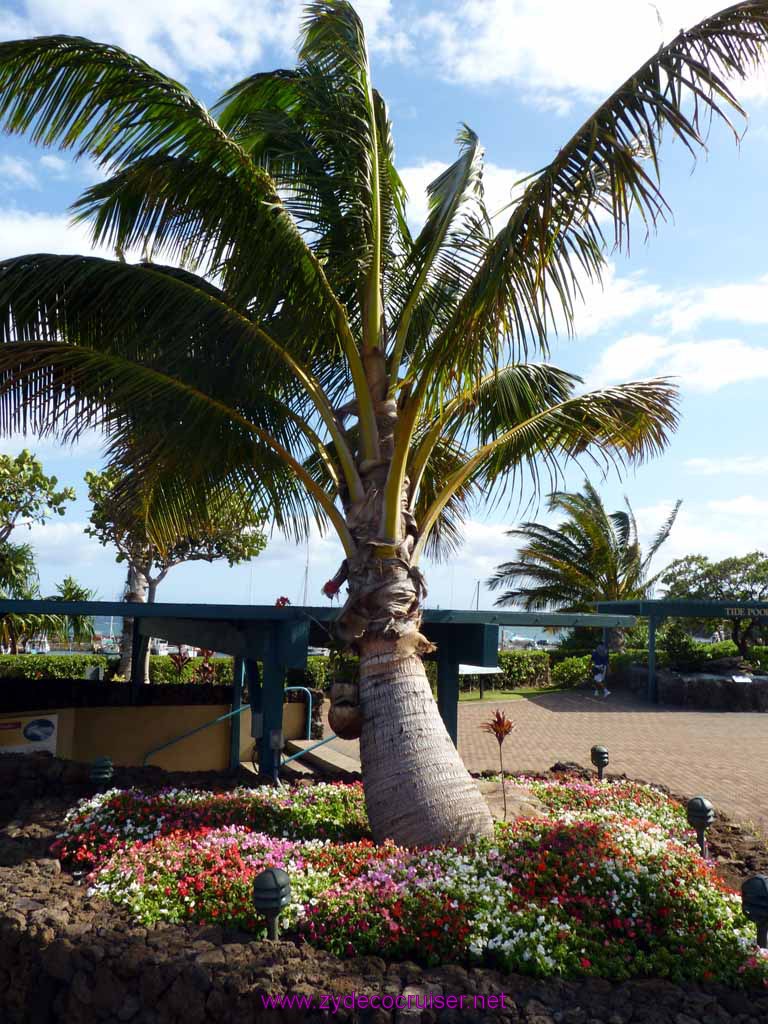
x: 180, y: 661
x: 205, y: 672
x: 501, y: 727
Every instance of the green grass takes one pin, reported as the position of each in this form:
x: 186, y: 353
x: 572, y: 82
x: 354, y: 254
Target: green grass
x: 520, y: 693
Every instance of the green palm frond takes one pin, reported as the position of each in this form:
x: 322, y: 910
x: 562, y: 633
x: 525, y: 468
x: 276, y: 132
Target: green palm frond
x: 532, y: 275
x: 616, y: 426
x: 103, y: 102
x: 591, y: 555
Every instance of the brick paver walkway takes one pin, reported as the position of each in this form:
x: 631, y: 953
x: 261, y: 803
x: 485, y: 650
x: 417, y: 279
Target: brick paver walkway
x: 720, y: 755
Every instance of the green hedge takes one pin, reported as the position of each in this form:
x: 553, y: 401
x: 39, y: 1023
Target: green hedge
x: 52, y: 666
x: 572, y: 671
x: 162, y: 670
x: 525, y: 668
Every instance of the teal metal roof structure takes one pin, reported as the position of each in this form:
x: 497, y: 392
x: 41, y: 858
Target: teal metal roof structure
x: 658, y: 609
x: 278, y: 638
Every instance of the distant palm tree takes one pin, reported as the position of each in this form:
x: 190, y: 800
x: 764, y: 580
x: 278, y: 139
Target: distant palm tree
x: 19, y: 582
x: 592, y: 555
x: 78, y: 628
x: 314, y: 354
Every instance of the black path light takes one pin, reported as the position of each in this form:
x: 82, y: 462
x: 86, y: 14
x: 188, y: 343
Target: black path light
x: 700, y: 814
x: 102, y: 771
x: 754, y: 903
x: 599, y: 757
x: 271, y: 894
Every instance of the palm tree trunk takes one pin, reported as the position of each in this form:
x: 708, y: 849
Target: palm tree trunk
x: 417, y: 790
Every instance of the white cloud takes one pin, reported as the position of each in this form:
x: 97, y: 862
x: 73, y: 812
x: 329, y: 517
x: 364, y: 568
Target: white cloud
x: 744, y: 506
x: 557, y: 50
x: 619, y: 298
x: 25, y: 231
x: 743, y: 302
x: 15, y: 172
x: 702, y: 366
x: 62, y: 544
x: 181, y: 36
x: 498, y: 184
x: 714, y: 529
x: 738, y: 465
x: 453, y: 584
x: 55, y: 165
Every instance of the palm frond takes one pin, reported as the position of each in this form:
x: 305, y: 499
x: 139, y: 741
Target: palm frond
x: 662, y: 534
x: 531, y: 277
x: 103, y: 102
x: 616, y: 426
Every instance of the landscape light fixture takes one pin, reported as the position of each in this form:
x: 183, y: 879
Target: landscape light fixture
x: 700, y: 814
x: 271, y: 894
x: 754, y: 903
x: 102, y: 771
x: 599, y: 756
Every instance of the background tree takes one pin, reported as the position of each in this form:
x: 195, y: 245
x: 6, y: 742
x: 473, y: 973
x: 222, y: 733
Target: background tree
x: 231, y: 530
x: 311, y: 353
x: 19, y: 582
x: 590, y: 556
x: 737, y: 579
x: 27, y: 495
x: 77, y: 628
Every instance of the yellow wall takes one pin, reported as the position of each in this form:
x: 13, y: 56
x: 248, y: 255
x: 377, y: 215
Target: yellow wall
x: 126, y: 734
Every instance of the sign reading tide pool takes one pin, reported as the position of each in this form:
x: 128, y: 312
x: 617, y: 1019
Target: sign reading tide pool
x: 28, y: 733
x: 657, y: 610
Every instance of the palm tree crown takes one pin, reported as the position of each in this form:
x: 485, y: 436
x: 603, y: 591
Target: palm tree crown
x: 592, y: 555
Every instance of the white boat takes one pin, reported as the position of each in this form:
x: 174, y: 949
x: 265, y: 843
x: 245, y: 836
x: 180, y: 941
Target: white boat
x: 158, y: 646
x: 110, y: 645
x: 38, y: 644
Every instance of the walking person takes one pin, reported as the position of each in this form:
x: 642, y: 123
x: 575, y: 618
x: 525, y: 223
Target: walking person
x: 600, y: 670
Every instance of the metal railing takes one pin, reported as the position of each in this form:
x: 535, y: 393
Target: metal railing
x: 307, y: 750
x: 192, y: 732
x: 231, y: 714
x: 309, y: 706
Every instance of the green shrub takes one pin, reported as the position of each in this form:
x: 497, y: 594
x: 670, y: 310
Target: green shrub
x: 682, y: 650
x: 572, y: 671
x: 315, y: 675
x: 162, y: 670
x: 53, y: 666
x: 759, y: 658
x: 524, y: 668
x: 722, y: 649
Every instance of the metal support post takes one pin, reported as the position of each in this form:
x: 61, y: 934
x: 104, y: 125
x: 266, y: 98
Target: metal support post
x: 238, y: 678
x: 271, y: 741
x: 652, y: 689
x: 139, y: 645
x: 448, y: 695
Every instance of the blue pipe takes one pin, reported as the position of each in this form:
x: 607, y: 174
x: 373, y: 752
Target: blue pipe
x: 192, y: 732
x: 309, y: 708
x: 231, y: 714
x: 307, y: 749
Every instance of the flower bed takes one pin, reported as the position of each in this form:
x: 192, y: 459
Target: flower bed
x: 608, y: 884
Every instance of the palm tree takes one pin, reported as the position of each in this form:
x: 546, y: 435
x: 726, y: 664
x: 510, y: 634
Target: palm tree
x: 78, y: 628
x: 19, y: 582
x: 592, y: 555
x: 307, y: 350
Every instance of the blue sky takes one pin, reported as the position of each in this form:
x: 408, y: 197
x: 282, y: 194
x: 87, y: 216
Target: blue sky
x: 692, y: 302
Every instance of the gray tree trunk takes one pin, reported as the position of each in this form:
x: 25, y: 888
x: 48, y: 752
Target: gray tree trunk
x: 417, y: 790
x: 136, y: 592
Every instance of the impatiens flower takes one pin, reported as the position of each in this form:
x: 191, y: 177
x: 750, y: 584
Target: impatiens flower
x: 610, y: 883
